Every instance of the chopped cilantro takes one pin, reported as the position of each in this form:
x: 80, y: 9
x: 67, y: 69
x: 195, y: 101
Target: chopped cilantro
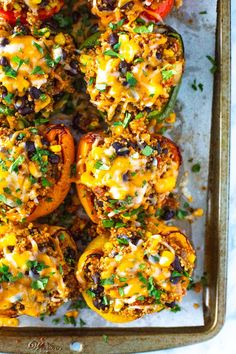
x: 38, y: 46
x: 10, y: 72
x: 176, y: 308
x: 122, y: 240
x: 167, y: 74
x: 196, y: 167
x: 37, y: 71
x: 40, y: 284
x: 105, y: 338
x: 14, y: 166
x: 69, y: 320
x: 144, y: 29
x: 108, y: 281
x: 90, y: 293
x: 147, y: 151
x: 113, y: 54
x: 126, y: 120
x: 181, y: 214
x: 213, y: 62
x: 107, y: 223
x: 38, y: 266
x: 116, y: 25
x: 121, y: 291
x: 8, y: 98
x: 82, y: 323
x: 131, y: 79
x: 100, y: 166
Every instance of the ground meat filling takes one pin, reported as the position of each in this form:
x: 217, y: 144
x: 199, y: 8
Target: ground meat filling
x: 133, y: 70
x: 128, y: 174
x: 29, y: 166
x: 139, y: 272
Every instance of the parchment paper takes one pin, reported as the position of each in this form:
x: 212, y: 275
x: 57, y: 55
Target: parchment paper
x: 192, y: 133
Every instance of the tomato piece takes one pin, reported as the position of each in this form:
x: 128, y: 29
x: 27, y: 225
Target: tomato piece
x: 8, y: 16
x: 44, y: 14
x: 158, y: 11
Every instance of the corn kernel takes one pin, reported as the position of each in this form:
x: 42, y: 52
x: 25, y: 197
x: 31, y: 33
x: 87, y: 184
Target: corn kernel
x: 55, y: 148
x: 167, y: 258
x: 33, y: 170
x: 60, y: 39
x: 171, y: 119
x: 191, y: 258
x: 198, y: 212
x: 108, y: 246
x: 35, y: 2
x: 168, y: 53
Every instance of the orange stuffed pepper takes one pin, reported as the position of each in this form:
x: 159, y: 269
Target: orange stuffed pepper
x: 37, y: 264
x: 120, y: 176
x: 34, y: 171
x: 130, y: 272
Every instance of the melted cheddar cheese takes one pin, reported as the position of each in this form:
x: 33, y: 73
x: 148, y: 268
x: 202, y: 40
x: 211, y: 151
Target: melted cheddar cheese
x: 135, y: 73
x: 127, y: 172
x: 138, y: 273
x: 34, y: 69
x: 26, y: 173
x: 32, y: 5
x: 32, y: 266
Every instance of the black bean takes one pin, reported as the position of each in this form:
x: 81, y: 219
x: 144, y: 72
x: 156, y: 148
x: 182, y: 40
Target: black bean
x: 158, y: 55
x: 99, y: 203
x: 174, y: 280
x: 35, y: 92
x: 165, y: 151
x: 30, y: 148
x: 117, y: 146
x: 26, y: 110
x: 4, y: 92
x: 64, y: 54
x: 176, y: 265
x: 54, y: 159
x: 98, y: 304
x: 171, y: 304
x: 34, y: 271
x: 74, y: 64
x: 168, y: 214
x: 4, y: 41
x: 124, y: 67
x: 99, y: 290
x: 123, y: 152
x: 128, y: 5
x: 4, y: 61
x: 113, y: 39
x: 10, y: 248
x: 45, y: 142
x: 125, y: 177
x: 158, y: 147
x: 96, y: 278
x: 135, y: 240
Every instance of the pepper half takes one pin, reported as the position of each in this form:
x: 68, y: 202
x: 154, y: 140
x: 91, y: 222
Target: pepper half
x: 125, y: 10
x: 37, y: 264
x: 30, y: 11
x: 34, y: 171
x: 133, y: 69
x: 120, y: 176
x: 131, y: 272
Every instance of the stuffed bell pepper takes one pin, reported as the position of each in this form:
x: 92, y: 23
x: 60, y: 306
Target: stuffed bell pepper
x: 35, y: 70
x: 28, y: 10
x: 37, y: 264
x: 133, y: 70
x: 120, y: 175
x: 131, y: 272
x: 126, y: 10
x: 35, y: 167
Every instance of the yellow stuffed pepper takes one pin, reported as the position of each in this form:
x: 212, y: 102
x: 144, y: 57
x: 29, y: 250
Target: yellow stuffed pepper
x: 131, y: 272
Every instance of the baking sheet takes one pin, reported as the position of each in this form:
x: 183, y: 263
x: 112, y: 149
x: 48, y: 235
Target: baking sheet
x: 192, y: 134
